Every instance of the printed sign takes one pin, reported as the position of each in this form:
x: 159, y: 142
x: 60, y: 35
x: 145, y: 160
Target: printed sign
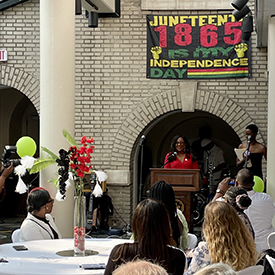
x: 196, y: 46
x: 3, y: 55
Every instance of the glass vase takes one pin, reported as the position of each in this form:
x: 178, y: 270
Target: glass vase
x: 79, y: 224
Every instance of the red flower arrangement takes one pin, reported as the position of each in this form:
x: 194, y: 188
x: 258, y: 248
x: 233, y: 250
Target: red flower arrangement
x: 80, y: 159
x: 73, y: 164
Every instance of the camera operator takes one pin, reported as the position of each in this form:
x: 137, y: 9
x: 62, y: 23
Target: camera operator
x: 5, y: 172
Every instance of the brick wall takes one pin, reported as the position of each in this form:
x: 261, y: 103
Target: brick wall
x: 114, y: 100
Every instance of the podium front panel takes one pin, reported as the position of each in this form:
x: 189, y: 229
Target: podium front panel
x: 180, y: 179
x: 184, y: 183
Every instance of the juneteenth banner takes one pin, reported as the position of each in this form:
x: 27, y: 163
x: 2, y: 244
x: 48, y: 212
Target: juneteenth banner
x: 196, y: 46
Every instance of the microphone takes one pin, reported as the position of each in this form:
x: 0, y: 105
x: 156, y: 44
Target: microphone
x: 142, y: 139
x: 172, y: 156
x: 248, y: 142
x: 246, y: 153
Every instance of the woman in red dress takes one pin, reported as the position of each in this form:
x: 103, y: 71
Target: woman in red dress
x: 180, y: 156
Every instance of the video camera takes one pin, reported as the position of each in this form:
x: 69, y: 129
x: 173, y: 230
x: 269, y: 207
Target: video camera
x: 8, y: 150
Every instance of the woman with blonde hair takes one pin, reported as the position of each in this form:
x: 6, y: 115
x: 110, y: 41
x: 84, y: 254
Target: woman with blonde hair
x: 226, y: 240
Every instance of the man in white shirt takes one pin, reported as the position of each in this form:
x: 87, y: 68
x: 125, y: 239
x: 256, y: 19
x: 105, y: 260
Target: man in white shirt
x: 260, y: 212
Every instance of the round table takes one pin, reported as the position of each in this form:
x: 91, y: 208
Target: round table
x: 41, y: 258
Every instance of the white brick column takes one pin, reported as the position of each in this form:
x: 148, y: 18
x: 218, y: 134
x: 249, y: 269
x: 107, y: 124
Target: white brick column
x: 57, y: 76
x: 271, y: 109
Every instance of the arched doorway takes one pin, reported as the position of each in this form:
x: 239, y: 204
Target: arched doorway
x: 18, y: 118
x: 161, y: 131
x: 159, y: 107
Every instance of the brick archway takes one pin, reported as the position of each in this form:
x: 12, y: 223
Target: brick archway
x: 152, y: 108
x: 23, y: 82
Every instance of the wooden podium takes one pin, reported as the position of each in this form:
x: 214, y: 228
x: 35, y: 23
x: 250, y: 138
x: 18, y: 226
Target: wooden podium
x: 184, y: 182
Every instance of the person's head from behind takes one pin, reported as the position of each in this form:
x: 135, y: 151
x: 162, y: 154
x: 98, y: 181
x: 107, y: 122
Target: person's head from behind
x: 180, y: 144
x: 238, y: 198
x: 151, y: 224
x: 227, y: 236
x: 162, y: 191
x: 245, y: 179
x: 39, y: 199
x: 152, y: 233
x: 216, y: 269
x: 140, y: 267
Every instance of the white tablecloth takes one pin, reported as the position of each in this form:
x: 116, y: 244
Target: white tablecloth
x: 41, y: 257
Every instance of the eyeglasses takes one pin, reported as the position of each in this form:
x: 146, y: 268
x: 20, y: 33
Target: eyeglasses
x: 52, y: 200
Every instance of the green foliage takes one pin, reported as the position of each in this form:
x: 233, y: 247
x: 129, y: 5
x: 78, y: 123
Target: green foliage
x: 41, y: 164
x: 49, y: 152
x: 55, y: 182
x: 70, y: 139
x: 51, y: 158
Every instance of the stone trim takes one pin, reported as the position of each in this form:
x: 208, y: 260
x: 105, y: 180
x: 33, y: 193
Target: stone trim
x: 23, y: 82
x: 152, y: 108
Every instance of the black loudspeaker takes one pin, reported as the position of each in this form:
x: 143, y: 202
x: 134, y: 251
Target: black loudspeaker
x: 93, y: 19
x: 78, y: 7
x: 247, y: 27
x: 241, y: 13
x: 239, y: 4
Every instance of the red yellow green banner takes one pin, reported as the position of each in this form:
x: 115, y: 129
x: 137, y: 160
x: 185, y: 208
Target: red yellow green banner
x: 196, y: 46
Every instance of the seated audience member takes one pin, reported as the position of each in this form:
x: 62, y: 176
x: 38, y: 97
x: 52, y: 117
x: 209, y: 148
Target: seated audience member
x: 39, y: 224
x: 184, y: 235
x: 153, y: 240
x: 226, y: 240
x: 140, y: 268
x: 262, y: 260
x: 216, y: 269
x: 164, y: 192
x: 260, y: 212
x: 239, y: 199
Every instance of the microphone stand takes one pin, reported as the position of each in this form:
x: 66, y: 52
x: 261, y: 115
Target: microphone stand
x: 165, y: 163
x: 172, y: 157
x: 141, y: 169
x: 247, y: 150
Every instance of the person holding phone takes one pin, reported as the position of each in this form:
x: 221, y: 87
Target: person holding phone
x: 5, y: 172
x: 260, y: 212
x: 239, y: 199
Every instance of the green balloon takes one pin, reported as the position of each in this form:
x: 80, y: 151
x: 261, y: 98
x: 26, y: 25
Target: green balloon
x: 258, y: 184
x: 26, y: 146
